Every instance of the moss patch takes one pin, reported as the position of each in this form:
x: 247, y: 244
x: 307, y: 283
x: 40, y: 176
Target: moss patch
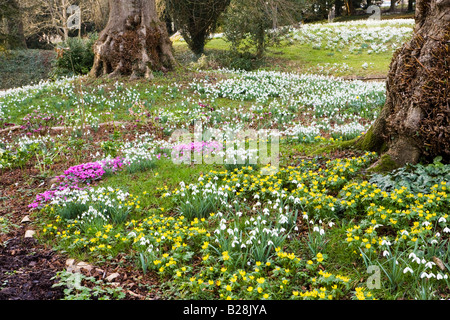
x: 369, y: 142
x: 385, y: 164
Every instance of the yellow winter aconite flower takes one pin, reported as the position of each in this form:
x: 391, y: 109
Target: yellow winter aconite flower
x: 225, y: 255
x: 319, y: 257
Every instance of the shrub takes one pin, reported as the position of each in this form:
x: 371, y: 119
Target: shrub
x: 76, y: 56
x: 24, y: 67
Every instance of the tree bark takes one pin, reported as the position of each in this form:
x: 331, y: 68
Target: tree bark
x: 392, y: 7
x: 414, y: 124
x: 338, y: 7
x: 134, y: 42
x: 349, y: 7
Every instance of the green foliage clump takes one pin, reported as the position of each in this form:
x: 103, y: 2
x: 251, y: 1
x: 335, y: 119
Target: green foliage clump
x: 415, y: 178
x: 76, y: 56
x: 80, y: 287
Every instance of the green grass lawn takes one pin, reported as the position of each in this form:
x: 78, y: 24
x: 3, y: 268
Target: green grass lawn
x: 303, y: 58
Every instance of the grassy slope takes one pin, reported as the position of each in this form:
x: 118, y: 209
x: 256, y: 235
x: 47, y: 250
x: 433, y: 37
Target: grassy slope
x: 303, y: 58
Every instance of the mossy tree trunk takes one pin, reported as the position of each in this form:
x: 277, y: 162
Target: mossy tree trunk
x: 134, y: 42
x: 414, y: 123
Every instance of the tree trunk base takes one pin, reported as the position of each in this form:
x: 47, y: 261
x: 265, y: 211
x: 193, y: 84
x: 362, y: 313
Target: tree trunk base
x: 134, y: 43
x: 414, y: 124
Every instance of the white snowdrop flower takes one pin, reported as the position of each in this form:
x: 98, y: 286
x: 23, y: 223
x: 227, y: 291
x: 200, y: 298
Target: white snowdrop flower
x: 322, y: 232
x: 442, y: 219
x: 412, y: 255
x: 296, y: 228
x: 408, y: 269
x: 305, y: 216
x: 330, y: 224
x: 239, y: 214
x: 429, y: 265
x: 434, y: 241
x: 439, y: 276
x: 385, y: 253
x: 243, y: 246
x: 446, y: 230
x: 316, y: 229
x: 426, y: 223
x: 283, y: 219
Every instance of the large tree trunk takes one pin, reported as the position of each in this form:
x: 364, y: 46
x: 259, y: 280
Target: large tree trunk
x: 134, y: 42
x: 415, y: 121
